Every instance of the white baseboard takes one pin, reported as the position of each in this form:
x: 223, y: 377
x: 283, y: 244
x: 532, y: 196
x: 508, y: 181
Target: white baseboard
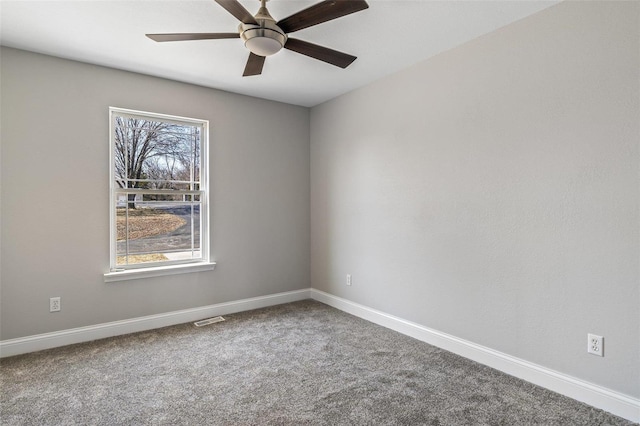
x: 614, y: 402
x: 100, y: 331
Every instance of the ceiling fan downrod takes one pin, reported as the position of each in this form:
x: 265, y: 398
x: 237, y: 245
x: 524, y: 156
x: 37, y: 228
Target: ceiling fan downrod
x: 263, y: 13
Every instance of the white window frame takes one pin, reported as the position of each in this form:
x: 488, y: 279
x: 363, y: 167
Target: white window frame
x: 143, y: 270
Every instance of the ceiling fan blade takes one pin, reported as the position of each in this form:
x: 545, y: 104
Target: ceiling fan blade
x: 254, y: 65
x: 236, y: 9
x: 321, y: 53
x: 321, y: 12
x: 191, y: 36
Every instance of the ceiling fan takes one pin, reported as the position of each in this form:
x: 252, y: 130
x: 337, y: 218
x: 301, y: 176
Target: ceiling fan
x: 263, y: 36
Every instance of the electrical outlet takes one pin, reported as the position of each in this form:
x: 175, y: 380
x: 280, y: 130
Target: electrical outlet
x: 595, y: 344
x: 54, y: 304
x: 348, y: 279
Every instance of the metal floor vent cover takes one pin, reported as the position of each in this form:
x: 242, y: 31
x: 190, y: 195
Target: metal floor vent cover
x: 208, y: 321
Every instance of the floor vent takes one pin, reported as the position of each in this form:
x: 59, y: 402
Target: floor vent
x: 208, y: 321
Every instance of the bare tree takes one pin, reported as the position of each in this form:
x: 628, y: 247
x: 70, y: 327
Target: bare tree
x: 150, y: 154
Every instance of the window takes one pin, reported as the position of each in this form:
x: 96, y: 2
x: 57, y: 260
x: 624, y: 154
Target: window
x: 158, y: 191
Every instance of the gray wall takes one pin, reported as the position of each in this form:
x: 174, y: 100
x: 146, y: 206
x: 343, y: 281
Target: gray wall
x: 55, y: 195
x: 492, y: 192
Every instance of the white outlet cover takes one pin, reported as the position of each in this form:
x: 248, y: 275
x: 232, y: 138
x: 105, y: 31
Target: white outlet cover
x: 595, y: 344
x: 54, y: 304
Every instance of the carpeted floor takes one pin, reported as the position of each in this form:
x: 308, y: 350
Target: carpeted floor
x: 294, y: 364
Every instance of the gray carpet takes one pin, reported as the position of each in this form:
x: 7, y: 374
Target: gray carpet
x: 299, y: 363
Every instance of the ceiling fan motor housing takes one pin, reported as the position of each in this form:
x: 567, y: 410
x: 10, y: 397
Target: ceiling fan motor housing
x: 262, y: 40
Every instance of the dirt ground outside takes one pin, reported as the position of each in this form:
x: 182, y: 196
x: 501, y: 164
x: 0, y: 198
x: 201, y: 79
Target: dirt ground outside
x: 144, y: 223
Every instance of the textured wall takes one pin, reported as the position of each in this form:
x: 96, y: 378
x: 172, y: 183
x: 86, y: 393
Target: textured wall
x: 55, y: 195
x: 492, y: 192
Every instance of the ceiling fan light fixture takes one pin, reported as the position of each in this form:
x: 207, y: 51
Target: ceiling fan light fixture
x: 263, y: 40
x: 263, y: 45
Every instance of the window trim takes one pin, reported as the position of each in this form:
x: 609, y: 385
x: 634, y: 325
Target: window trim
x: 121, y: 272
x: 158, y: 271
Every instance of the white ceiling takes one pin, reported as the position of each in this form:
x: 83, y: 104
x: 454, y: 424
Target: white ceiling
x: 387, y: 37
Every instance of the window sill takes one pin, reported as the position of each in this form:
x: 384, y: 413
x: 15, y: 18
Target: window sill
x: 134, y: 274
